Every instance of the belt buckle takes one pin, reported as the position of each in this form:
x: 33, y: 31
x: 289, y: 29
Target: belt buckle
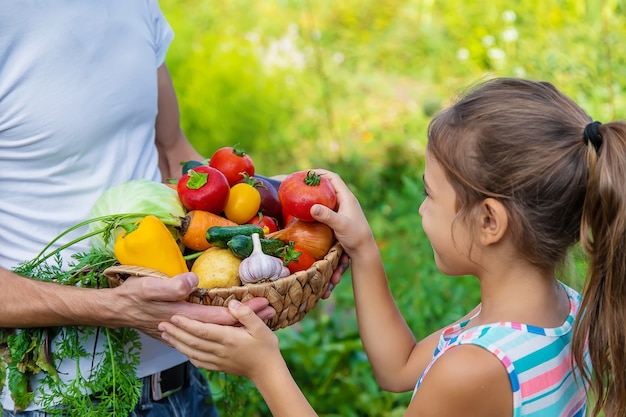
x: 165, y: 383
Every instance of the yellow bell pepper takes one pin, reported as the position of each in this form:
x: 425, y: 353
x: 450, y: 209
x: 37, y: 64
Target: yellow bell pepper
x: 149, y: 243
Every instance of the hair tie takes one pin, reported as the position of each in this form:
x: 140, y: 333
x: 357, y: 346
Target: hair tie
x: 592, y: 134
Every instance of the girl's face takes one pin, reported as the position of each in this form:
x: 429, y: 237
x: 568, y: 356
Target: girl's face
x: 451, y: 241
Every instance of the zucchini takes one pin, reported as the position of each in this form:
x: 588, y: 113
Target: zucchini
x: 220, y: 235
x: 241, y: 246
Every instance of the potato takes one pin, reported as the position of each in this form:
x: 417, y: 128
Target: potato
x: 217, y: 268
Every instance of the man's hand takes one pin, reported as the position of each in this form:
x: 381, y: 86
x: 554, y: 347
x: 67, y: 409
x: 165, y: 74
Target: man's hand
x: 145, y: 302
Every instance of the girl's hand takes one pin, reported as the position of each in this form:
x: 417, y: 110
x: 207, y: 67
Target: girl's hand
x: 348, y: 222
x: 250, y: 350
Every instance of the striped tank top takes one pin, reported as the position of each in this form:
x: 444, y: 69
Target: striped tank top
x: 538, y: 362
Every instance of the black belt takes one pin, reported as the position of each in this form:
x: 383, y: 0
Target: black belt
x: 167, y: 382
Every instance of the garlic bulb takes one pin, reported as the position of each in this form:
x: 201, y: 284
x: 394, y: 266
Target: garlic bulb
x: 259, y: 266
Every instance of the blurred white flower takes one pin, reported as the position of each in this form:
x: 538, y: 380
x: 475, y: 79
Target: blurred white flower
x: 462, y: 54
x: 284, y: 53
x: 519, y: 72
x: 488, y: 41
x: 497, y: 57
x: 496, y: 54
x: 338, y: 57
x: 510, y: 35
x: 253, y: 37
x: 509, y: 16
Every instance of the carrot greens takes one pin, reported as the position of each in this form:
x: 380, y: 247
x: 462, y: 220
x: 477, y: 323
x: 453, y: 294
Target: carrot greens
x: 108, y: 387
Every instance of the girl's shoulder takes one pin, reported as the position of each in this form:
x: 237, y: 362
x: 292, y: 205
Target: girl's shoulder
x: 471, y: 376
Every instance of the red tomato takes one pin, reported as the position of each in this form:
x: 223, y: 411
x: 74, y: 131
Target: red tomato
x: 301, y: 190
x: 268, y: 223
x: 297, y: 258
x: 233, y: 163
x: 203, y: 188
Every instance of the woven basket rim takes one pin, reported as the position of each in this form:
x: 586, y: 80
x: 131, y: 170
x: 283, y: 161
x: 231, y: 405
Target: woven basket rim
x: 322, y: 268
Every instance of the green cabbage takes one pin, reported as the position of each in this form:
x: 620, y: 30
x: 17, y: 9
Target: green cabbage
x: 129, y: 202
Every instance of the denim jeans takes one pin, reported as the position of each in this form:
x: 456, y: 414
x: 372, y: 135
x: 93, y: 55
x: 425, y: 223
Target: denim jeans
x: 193, y: 400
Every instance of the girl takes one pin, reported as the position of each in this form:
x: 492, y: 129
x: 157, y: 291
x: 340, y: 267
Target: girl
x: 513, y: 170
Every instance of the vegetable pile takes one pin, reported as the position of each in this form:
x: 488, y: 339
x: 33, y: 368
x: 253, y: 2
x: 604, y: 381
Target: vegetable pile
x: 221, y: 220
x: 230, y: 207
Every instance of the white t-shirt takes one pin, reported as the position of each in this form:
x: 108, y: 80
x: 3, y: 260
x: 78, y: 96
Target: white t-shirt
x: 78, y: 101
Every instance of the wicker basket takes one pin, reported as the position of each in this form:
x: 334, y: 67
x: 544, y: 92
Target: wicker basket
x: 292, y: 297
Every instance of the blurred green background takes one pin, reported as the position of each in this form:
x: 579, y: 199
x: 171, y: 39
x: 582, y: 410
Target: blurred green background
x: 350, y: 86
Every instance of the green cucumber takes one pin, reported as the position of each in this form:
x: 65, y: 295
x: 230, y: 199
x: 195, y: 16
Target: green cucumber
x: 220, y: 235
x: 241, y: 246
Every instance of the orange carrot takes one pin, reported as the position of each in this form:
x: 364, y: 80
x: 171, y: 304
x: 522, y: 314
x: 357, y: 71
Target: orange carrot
x: 194, y: 226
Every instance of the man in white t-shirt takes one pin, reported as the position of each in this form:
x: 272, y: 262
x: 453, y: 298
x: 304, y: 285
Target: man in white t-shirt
x: 86, y: 103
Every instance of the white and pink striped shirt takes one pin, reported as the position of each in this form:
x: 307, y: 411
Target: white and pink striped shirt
x: 538, y: 361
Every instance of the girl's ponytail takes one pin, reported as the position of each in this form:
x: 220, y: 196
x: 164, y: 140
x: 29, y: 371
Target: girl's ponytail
x: 602, y: 322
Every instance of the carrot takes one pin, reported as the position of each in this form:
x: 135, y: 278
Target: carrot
x: 194, y: 226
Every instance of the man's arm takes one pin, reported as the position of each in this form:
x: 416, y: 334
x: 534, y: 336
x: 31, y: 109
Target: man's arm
x: 139, y: 303
x: 171, y: 142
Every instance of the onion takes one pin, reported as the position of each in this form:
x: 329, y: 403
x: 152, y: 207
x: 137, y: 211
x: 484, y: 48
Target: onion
x: 317, y: 238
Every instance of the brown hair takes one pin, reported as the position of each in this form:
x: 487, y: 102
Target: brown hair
x: 603, y: 236
x: 521, y: 142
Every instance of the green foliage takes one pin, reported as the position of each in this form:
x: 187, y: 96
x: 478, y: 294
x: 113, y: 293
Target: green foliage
x: 214, y: 84
x: 235, y: 395
x: 351, y: 86
x: 342, y: 386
